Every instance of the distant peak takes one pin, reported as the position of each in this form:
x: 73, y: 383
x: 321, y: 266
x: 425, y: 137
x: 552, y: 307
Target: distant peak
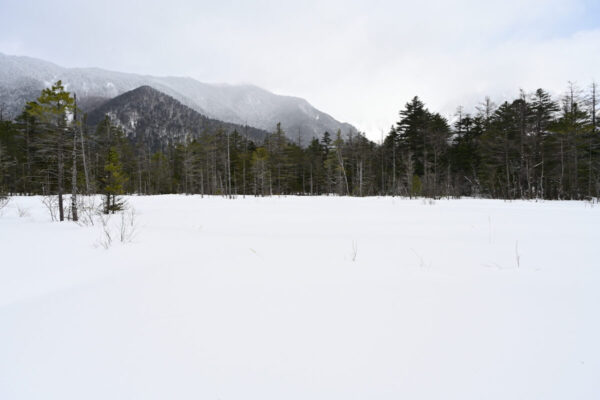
x: 145, y: 89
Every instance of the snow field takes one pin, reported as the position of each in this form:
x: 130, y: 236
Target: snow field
x: 303, y: 298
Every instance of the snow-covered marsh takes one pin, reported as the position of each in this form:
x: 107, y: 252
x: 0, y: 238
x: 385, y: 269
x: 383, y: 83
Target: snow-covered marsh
x: 303, y: 298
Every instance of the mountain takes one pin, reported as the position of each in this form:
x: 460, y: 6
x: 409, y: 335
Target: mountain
x: 22, y: 78
x: 154, y: 118
x: 257, y: 107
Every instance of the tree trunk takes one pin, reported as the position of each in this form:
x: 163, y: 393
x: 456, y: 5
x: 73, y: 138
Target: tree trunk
x: 84, y: 161
x: 74, y: 180
x: 60, y: 177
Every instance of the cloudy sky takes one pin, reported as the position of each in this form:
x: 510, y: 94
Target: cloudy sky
x: 357, y: 60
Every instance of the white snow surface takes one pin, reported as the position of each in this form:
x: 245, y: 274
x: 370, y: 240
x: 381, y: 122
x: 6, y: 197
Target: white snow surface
x: 260, y: 298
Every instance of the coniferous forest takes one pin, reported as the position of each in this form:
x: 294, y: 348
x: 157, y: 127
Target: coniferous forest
x: 533, y: 147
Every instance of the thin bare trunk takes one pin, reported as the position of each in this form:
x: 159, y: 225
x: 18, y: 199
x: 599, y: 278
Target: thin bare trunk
x: 74, y: 180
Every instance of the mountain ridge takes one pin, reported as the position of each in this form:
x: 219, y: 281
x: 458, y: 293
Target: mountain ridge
x: 23, y: 77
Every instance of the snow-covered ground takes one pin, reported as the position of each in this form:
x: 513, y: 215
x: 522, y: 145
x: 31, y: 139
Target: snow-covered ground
x: 303, y: 298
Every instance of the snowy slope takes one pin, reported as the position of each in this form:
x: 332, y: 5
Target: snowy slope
x: 261, y: 299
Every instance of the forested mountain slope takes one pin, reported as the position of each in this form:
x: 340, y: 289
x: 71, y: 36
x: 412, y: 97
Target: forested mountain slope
x: 156, y: 120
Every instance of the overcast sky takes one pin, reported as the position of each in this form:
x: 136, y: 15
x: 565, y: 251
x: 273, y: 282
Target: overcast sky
x: 360, y: 61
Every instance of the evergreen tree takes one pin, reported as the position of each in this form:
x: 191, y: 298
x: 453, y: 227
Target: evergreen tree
x: 114, y: 182
x: 51, y: 110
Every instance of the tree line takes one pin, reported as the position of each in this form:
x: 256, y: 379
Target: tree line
x: 531, y: 147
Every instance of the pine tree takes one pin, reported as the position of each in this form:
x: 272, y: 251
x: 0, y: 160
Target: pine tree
x: 51, y: 110
x: 114, y: 181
